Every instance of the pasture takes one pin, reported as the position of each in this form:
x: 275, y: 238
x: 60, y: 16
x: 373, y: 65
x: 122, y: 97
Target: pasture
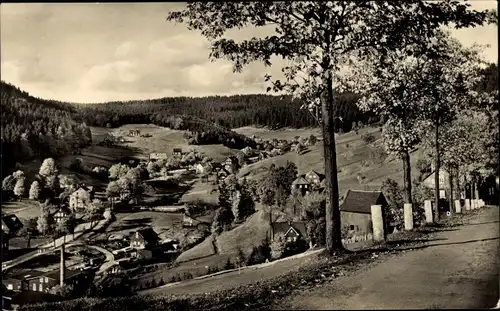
x: 164, y: 140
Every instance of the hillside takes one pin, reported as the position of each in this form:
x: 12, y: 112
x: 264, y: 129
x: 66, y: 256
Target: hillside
x: 355, y: 158
x: 32, y: 128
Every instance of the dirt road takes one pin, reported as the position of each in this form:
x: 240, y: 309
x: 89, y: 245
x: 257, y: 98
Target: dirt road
x: 458, y: 270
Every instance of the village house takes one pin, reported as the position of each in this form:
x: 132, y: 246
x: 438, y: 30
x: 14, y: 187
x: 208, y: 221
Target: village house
x: 429, y: 181
x: 46, y: 281
x: 81, y: 198
x: 292, y: 231
x: 134, y: 133
x: 302, y: 185
x: 248, y: 151
x: 355, y: 211
x: 177, y: 152
x: 314, y: 178
x: 60, y: 213
x: 158, y: 156
x: 19, y: 282
x: 188, y: 221
x: 145, y: 238
x: 231, y: 165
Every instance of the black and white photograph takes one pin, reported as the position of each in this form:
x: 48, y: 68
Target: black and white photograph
x: 250, y: 155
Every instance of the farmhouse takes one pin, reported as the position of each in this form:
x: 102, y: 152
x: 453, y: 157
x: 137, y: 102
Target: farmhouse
x: 145, y: 238
x: 134, y: 133
x: 157, y: 156
x: 429, y: 181
x: 355, y: 211
x: 60, y: 213
x: 314, y: 178
x: 46, y: 281
x: 177, y: 152
x: 19, y: 281
x: 231, y: 164
x: 11, y: 225
x: 302, y: 185
x: 81, y: 198
x: 292, y: 230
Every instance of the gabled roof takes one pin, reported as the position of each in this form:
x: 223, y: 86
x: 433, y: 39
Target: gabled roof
x: 25, y: 275
x: 321, y: 176
x: 284, y: 227
x: 12, y: 223
x: 62, y: 208
x: 148, y: 234
x: 300, y: 181
x: 358, y: 201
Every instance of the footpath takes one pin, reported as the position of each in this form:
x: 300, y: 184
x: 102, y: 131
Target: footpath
x: 458, y: 269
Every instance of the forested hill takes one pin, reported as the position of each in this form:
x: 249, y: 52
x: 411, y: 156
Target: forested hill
x: 33, y: 127
x: 228, y: 111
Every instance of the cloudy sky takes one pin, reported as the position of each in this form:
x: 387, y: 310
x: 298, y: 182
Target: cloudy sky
x: 114, y: 51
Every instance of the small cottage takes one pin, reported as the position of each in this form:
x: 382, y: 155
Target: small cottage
x: 134, y: 133
x: 293, y: 231
x: 144, y: 239
x: 81, y: 198
x: 177, y: 152
x: 60, y: 213
x: 355, y: 211
x: 429, y: 181
x: 231, y: 164
x: 302, y: 185
x: 314, y: 178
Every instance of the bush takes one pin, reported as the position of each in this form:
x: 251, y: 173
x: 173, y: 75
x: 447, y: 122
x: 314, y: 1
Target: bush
x: 259, y: 253
x: 278, y: 246
x: 228, y: 265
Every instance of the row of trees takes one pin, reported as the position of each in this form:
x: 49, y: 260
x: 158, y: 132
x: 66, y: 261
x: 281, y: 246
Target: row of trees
x: 318, y: 38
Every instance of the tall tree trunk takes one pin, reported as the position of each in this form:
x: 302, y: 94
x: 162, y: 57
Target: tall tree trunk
x: 436, y: 171
x: 450, y: 180
x: 407, y: 176
x: 28, y: 242
x: 333, y: 227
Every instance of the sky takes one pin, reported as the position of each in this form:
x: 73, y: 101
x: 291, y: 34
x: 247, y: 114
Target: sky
x: 90, y: 52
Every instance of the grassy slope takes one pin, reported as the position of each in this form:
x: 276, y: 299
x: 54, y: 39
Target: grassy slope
x: 352, y: 151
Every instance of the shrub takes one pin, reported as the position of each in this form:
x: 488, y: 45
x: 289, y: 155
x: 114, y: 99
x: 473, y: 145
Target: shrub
x: 278, y: 246
x: 228, y: 265
x: 186, y: 276
x: 259, y: 253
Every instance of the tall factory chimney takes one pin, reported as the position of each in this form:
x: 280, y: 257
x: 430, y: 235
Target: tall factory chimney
x: 62, y: 267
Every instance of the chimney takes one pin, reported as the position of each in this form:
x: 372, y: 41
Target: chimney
x: 62, y: 267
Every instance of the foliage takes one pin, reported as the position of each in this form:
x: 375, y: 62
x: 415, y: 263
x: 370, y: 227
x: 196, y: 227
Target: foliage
x: 223, y: 216
x: 276, y: 186
x: 19, y: 188
x: 393, y: 193
x: 260, y: 253
x: 228, y: 265
x: 278, y: 245
x: 8, y: 183
x: 45, y: 222
x: 243, y: 205
x: 48, y: 168
x: 113, y: 189
x: 198, y: 207
x: 368, y: 138
x: 118, y: 171
x: 312, y: 138
x: 313, y: 213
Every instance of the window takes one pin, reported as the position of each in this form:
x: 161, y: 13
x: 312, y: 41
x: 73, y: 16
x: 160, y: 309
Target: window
x: 40, y: 288
x: 34, y: 287
x: 41, y: 280
x: 10, y: 286
x: 46, y: 280
x: 351, y: 227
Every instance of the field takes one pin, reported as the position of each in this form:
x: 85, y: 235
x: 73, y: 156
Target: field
x: 164, y: 224
x: 22, y: 209
x: 361, y: 166
x: 164, y: 140
x: 288, y: 134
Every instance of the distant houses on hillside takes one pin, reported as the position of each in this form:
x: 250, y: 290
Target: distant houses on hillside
x: 134, y: 133
x: 158, y: 156
x: 309, y: 181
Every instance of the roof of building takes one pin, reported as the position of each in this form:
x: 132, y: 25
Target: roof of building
x: 148, y: 234
x: 320, y: 175
x: 56, y: 274
x: 62, y: 208
x: 24, y: 275
x: 300, y: 181
x: 358, y: 201
x: 12, y: 223
x: 284, y: 226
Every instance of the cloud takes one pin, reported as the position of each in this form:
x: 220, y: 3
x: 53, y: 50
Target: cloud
x: 126, y: 49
